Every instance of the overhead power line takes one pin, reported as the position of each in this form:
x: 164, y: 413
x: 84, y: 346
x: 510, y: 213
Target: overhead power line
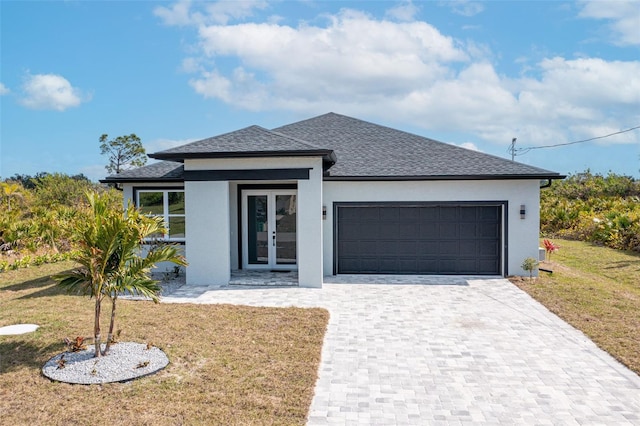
x: 520, y: 151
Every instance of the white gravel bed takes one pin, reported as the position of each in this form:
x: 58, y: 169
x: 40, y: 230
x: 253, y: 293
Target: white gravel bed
x: 125, y: 361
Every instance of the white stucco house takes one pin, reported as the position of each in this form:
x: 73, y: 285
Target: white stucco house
x: 337, y: 195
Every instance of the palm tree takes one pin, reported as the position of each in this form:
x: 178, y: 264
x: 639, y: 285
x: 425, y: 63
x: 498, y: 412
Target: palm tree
x: 11, y: 190
x: 110, y: 261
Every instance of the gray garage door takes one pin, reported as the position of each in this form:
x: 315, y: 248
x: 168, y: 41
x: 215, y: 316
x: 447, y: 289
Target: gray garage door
x: 418, y: 239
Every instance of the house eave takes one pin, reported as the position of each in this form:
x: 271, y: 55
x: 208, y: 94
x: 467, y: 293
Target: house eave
x: 443, y: 177
x: 142, y: 179
x: 327, y: 155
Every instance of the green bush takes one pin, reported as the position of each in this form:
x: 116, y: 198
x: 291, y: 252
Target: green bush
x: 595, y: 208
x: 37, y: 220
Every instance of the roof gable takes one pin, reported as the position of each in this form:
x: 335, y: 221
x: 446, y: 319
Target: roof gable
x: 252, y: 141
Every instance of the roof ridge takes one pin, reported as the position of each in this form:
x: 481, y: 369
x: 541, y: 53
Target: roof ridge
x: 414, y: 135
x: 293, y: 138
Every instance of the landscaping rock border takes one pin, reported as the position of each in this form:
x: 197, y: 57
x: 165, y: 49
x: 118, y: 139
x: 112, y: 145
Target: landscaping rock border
x: 125, y: 361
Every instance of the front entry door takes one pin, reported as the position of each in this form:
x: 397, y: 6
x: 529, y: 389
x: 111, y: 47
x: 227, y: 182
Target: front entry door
x: 269, y: 229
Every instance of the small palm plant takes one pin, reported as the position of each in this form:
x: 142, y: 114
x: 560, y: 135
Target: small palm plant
x: 110, y: 261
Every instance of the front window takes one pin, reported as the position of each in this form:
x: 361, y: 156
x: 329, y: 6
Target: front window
x: 168, y: 204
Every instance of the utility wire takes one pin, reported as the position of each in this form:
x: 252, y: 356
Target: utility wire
x: 520, y: 151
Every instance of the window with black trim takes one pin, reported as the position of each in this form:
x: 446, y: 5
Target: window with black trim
x: 168, y: 204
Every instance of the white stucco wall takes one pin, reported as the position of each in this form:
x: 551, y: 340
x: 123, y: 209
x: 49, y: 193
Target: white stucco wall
x: 202, y: 224
x: 522, y: 233
x: 207, y: 233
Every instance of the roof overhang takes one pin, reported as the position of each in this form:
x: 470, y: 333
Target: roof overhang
x: 445, y: 177
x: 328, y: 156
x: 141, y: 180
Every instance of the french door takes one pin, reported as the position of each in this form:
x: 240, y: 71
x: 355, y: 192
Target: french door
x: 269, y: 238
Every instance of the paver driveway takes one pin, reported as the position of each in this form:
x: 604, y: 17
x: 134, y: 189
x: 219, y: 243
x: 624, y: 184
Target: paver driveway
x: 447, y: 351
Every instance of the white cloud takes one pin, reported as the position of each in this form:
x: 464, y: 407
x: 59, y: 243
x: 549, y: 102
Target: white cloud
x: 352, y: 55
x: 469, y: 145
x: 464, y: 7
x: 624, y: 17
x: 409, y: 72
x: 221, y: 12
x: 50, y: 91
x: 4, y: 89
x: 403, y: 12
x: 177, y: 14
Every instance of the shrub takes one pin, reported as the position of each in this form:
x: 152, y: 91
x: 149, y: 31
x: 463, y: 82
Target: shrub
x: 595, y: 208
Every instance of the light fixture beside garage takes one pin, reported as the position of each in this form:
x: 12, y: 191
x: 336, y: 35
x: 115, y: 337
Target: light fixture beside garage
x: 324, y: 212
x: 523, y: 211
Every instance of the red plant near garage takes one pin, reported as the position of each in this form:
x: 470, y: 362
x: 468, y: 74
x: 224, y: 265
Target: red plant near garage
x: 550, y: 247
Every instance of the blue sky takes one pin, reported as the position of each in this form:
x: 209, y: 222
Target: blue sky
x: 474, y: 74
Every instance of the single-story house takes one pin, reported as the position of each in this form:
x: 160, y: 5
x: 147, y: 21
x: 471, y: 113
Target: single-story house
x: 338, y: 195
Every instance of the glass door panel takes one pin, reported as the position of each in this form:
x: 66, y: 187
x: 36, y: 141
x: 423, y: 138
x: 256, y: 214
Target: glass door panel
x: 257, y: 230
x: 285, y: 218
x: 269, y: 237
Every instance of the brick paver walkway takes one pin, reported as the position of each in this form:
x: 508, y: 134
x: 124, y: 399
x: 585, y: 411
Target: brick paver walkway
x: 434, y: 350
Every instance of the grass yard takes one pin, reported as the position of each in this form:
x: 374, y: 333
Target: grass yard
x: 228, y: 364
x: 597, y: 290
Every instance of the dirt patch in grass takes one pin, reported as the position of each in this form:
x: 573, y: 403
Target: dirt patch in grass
x: 597, y: 290
x: 228, y: 364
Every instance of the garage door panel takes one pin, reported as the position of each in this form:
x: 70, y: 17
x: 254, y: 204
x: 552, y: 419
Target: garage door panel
x: 426, y: 248
x: 389, y: 214
x: 487, y: 266
x: 448, y: 266
x: 488, y: 230
x: 468, y: 248
x: 467, y: 266
x: 408, y: 231
x: 368, y: 248
x: 449, y: 213
x: 369, y: 265
x: 449, y: 231
x: 409, y: 214
x: 407, y: 248
x: 435, y: 239
x: 489, y: 213
x: 468, y: 230
x: 428, y: 230
x: 349, y: 248
x: 429, y: 214
x: 449, y: 248
x: 467, y: 215
x: 388, y: 265
x: 350, y: 232
x: 407, y: 266
x: 349, y: 265
x: 384, y: 247
x: 489, y: 248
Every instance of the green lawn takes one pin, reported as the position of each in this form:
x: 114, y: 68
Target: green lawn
x: 228, y: 364
x: 597, y: 290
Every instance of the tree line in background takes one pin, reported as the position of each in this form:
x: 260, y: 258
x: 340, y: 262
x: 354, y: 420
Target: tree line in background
x: 592, y: 207
x: 38, y: 215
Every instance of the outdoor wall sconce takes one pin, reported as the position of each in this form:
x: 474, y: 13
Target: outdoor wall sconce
x: 324, y: 212
x: 523, y: 211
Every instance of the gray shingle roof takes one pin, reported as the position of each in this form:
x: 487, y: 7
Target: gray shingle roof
x: 363, y: 150
x: 244, y: 142
x: 168, y: 171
